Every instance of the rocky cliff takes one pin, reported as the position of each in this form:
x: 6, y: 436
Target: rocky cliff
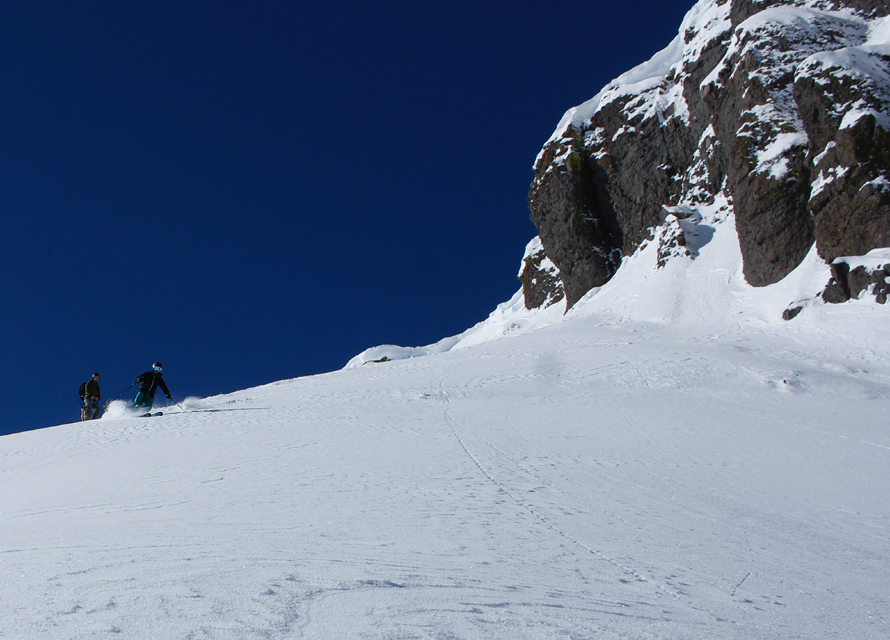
x: 778, y: 111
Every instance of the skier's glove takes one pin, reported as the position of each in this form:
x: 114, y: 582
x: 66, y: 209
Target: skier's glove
x: 168, y: 397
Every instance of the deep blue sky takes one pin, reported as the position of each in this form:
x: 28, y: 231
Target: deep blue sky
x: 249, y: 192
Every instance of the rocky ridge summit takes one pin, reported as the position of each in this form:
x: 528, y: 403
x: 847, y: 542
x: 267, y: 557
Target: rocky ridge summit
x: 773, y: 115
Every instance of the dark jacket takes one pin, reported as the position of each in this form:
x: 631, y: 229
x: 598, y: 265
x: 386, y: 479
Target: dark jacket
x: 92, y: 389
x: 151, y: 380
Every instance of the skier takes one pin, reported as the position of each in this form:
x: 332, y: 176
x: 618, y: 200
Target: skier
x: 91, y: 395
x: 150, y: 381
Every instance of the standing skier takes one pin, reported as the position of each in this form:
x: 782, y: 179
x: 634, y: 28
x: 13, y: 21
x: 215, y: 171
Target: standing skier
x: 151, y: 380
x: 91, y: 395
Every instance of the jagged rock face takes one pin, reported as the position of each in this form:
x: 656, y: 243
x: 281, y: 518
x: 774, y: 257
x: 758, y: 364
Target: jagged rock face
x: 781, y: 107
x: 578, y: 228
x: 850, y: 199
x: 541, y: 284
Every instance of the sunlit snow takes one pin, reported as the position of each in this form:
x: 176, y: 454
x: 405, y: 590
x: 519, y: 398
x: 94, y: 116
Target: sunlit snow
x: 668, y: 460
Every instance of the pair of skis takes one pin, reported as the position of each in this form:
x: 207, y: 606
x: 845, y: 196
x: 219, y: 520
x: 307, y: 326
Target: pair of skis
x: 152, y: 415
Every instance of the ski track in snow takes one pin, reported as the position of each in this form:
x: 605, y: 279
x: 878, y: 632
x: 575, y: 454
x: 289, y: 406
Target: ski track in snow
x: 580, y: 481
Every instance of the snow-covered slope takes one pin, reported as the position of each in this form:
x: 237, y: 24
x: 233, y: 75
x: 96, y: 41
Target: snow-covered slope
x: 601, y: 477
x: 668, y: 460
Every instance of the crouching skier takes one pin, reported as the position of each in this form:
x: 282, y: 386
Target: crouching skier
x: 150, y: 381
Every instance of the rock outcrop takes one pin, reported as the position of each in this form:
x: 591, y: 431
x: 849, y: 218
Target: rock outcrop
x: 541, y: 283
x: 849, y: 283
x: 779, y: 107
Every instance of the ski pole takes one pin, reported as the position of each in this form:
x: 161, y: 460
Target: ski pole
x: 120, y: 394
x: 177, y: 404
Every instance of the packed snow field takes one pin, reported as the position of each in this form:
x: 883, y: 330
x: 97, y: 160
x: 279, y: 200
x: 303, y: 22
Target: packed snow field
x: 587, y: 479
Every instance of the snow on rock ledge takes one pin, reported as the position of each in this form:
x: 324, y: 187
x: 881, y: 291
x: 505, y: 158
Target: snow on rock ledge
x: 780, y: 107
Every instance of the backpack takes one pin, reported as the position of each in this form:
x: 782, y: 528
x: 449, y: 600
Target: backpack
x: 83, y: 389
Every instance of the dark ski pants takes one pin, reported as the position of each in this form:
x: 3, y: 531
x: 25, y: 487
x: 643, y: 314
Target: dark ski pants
x: 143, y: 400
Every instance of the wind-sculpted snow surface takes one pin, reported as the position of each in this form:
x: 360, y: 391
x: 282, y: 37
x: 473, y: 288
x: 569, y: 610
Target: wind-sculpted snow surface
x: 585, y: 480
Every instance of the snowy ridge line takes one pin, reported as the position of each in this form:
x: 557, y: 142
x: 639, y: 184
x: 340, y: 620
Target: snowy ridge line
x: 654, y: 85
x: 648, y: 80
x: 703, y: 286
